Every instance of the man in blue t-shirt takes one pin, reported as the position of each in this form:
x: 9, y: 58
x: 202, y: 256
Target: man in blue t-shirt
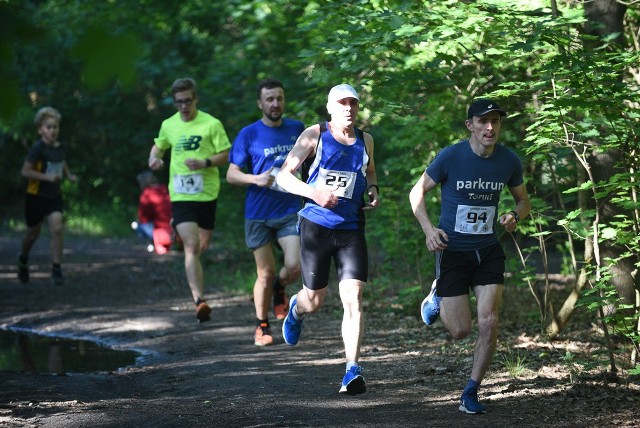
x: 472, y: 175
x: 270, y: 212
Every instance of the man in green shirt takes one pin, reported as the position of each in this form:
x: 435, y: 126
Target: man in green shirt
x: 199, y: 145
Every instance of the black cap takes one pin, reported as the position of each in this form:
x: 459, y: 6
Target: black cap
x: 483, y: 106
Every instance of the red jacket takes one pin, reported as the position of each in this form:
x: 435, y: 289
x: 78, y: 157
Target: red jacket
x: 155, y: 206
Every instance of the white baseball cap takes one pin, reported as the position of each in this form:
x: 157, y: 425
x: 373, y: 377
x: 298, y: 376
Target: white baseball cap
x: 342, y: 91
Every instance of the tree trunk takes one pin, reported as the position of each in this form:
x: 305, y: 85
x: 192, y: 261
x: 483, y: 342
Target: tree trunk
x: 606, y: 17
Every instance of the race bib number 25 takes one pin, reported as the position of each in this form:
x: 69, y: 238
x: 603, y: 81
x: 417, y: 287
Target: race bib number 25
x: 341, y: 183
x: 475, y: 220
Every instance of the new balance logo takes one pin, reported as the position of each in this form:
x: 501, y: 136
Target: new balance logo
x: 189, y: 143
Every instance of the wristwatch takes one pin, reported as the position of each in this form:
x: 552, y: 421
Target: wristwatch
x: 515, y: 215
x: 207, y: 162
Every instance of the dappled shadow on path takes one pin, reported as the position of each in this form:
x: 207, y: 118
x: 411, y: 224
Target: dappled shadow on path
x: 211, y: 374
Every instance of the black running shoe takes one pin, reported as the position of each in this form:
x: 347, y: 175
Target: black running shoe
x: 23, y: 271
x: 56, y: 276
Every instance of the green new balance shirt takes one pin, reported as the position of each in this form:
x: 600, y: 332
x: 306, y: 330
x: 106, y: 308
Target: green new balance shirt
x: 199, y: 138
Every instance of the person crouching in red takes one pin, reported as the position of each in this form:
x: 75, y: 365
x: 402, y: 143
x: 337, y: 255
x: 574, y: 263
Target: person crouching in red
x: 154, y: 213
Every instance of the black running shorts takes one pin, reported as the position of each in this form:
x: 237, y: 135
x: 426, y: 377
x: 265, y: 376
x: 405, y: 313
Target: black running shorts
x: 458, y: 271
x: 38, y: 208
x: 203, y: 213
x: 347, y: 247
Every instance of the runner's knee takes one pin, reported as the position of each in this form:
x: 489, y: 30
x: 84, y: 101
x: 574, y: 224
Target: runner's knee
x: 458, y: 328
x: 292, y: 273
x: 487, y: 324
x: 266, y: 274
x: 351, y: 293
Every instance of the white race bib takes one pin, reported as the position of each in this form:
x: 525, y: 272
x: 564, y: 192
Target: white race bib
x: 341, y: 183
x: 189, y: 184
x: 274, y: 172
x: 475, y: 220
x: 55, y: 168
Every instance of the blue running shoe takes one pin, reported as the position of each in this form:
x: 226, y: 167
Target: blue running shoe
x: 469, y: 402
x: 291, y: 327
x: 430, y: 307
x: 353, y: 382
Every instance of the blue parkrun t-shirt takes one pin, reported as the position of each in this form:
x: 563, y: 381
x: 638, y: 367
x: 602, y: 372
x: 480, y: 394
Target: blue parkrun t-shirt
x: 257, y: 148
x: 471, y: 187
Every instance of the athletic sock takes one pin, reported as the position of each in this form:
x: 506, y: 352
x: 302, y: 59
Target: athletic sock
x: 264, y: 323
x: 471, y: 384
x: 296, y: 315
x: 200, y: 300
x: 351, y: 364
x: 24, y: 260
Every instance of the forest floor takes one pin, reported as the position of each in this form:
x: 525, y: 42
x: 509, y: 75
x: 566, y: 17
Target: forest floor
x: 211, y: 374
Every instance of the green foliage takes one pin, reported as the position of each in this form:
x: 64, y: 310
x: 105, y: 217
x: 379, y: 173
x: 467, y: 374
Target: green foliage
x: 571, y: 98
x: 573, y: 367
x: 515, y: 363
x: 104, y: 63
x: 94, y: 217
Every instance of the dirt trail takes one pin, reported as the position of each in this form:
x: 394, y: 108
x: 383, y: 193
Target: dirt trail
x: 212, y: 375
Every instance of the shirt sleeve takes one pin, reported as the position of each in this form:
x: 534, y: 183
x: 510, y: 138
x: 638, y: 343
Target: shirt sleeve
x: 219, y: 137
x: 238, y: 154
x: 162, y: 141
x: 516, y: 177
x: 437, y: 169
x: 35, y: 153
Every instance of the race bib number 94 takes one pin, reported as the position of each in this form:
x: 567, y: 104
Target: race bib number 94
x: 190, y: 184
x: 341, y: 183
x: 475, y: 220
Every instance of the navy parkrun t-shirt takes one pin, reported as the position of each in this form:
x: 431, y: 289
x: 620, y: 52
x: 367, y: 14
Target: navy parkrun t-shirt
x: 257, y: 148
x: 471, y: 187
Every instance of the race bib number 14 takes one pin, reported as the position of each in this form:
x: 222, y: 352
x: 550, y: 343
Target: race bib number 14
x: 190, y: 184
x: 475, y: 220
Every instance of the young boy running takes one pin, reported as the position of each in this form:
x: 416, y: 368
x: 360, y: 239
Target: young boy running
x: 44, y: 168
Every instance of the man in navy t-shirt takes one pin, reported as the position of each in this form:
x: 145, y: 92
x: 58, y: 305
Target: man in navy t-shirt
x: 472, y: 174
x: 270, y: 213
